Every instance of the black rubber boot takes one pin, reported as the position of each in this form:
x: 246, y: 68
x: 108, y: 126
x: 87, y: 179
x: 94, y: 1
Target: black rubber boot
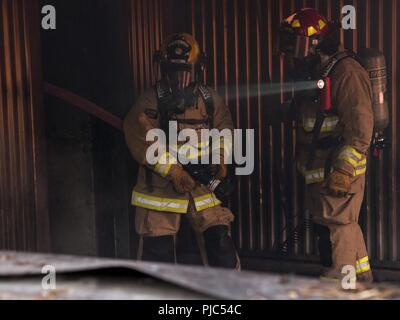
x: 324, y: 244
x: 159, y: 249
x: 219, y: 246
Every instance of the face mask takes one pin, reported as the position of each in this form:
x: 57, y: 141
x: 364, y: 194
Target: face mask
x: 180, y: 80
x: 307, y: 68
x: 182, y: 93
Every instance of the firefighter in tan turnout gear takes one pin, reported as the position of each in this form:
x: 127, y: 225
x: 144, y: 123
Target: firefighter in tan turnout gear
x: 165, y: 192
x: 332, y: 140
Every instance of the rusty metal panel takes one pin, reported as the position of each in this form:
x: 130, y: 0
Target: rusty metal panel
x: 23, y: 203
x: 238, y: 37
x: 146, y: 31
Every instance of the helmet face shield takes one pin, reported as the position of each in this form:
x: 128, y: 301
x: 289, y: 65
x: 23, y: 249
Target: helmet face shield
x: 181, y: 65
x: 297, y: 46
x: 181, y: 61
x: 301, y: 47
x: 304, y: 31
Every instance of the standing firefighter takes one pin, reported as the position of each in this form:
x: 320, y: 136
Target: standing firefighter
x: 166, y: 192
x: 334, y: 132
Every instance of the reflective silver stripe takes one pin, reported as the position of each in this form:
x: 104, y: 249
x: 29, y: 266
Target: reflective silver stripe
x: 200, y: 146
x: 315, y: 176
x: 188, y: 151
x: 354, y: 158
x: 364, y: 264
x: 162, y: 169
x: 159, y: 204
x: 164, y: 164
x: 206, y: 201
x: 328, y: 125
x: 203, y: 202
x: 360, y: 171
x: 312, y: 176
x: 351, y: 152
x: 348, y: 156
x: 214, y: 184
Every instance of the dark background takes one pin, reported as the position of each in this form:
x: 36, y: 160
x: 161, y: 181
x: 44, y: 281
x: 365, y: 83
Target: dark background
x: 66, y: 177
x: 90, y: 170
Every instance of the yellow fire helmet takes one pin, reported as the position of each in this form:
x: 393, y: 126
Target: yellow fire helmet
x: 180, y: 52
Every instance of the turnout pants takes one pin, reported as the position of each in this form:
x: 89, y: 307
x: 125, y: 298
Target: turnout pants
x: 158, y: 231
x: 340, y: 239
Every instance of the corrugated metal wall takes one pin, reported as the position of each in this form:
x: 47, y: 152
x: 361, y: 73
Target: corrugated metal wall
x: 23, y: 204
x: 239, y: 36
x: 146, y: 32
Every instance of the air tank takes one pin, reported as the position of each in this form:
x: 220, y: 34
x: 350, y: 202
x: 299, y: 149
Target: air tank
x: 375, y: 63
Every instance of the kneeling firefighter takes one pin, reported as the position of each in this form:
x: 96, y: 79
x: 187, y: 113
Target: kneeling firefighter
x: 334, y: 107
x: 169, y: 190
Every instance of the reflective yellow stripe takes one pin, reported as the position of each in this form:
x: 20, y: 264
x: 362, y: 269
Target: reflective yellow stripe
x: 349, y: 160
x: 328, y: 125
x: 158, y: 203
x: 362, y: 162
x: 362, y: 260
x: 162, y: 169
x: 164, y: 164
x: 207, y: 201
x: 363, y: 265
x: 188, y: 151
x: 356, y: 159
x: 203, y: 144
x: 348, y: 151
x: 363, y: 269
x: 312, y: 176
x: 360, y: 171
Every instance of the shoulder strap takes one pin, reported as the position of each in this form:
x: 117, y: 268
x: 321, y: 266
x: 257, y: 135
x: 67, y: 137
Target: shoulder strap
x: 332, y: 63
x: 334, y: 60
x: 162, y: 90
x: 208, y: 102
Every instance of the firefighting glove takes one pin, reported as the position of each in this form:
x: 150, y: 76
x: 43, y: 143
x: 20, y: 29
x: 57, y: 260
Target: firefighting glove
x: 338, y: 183
x: 182, y: 181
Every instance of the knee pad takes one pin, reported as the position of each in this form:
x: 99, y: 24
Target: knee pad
x: 324, y: 244
x: 159, y: 249
x: 219, y: 246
